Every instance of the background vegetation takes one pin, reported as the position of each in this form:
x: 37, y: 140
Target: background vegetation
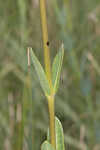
x: 23, y: 110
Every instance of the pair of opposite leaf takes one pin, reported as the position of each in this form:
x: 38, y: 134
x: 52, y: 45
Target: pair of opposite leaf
x: 56, y: 69
x: 59, y: 138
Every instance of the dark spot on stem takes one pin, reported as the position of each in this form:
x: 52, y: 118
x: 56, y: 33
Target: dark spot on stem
x: 48, y: 43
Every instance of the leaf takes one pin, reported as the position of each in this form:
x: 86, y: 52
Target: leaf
x: 59, y: 135
x: 56, y: 68
x: 47, y: 146
x: 41, y: 74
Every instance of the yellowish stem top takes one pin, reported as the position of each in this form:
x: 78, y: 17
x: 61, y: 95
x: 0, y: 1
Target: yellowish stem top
x: 48, y: 70
x: 45, y: 41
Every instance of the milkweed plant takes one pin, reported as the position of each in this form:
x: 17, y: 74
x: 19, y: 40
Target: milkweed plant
x: 49, y: 81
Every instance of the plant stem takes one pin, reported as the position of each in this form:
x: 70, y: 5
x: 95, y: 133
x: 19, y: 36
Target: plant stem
x: 52, y: 121
x: 45, y: 40
x: 29, y: 85
x: 48, y: 70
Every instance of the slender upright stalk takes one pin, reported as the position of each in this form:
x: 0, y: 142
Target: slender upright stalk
x: 45, y: 40
x: 31, y: 102
x: 48, y: 70
x: 52, y: 121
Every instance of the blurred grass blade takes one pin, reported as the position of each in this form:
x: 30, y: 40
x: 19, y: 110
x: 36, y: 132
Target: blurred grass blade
x: 59, y: 135
x: 41, y: 74
x: 75, y: 143
x: 48, y: 135
x: 46, y: 146
x: 56, y: 68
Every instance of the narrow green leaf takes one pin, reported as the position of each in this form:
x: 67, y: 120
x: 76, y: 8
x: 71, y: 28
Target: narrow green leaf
x: 59, y: 135
x: 47, y: 146
x: 56, y: 68
x: 41, y: 74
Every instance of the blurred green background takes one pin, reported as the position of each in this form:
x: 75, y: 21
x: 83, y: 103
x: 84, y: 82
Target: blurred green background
x: 23, y: 108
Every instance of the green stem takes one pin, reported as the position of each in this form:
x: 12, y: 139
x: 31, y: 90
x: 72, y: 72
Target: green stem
x: 48, y: 70
x: 29, y: 85
x: 52, y: 121
x: 45, y: 40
